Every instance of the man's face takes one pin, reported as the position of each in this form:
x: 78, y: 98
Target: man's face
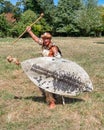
x: 46, y: 41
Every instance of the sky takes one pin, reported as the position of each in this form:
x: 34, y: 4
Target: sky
x: 14, y: 1
x: 100, y: 2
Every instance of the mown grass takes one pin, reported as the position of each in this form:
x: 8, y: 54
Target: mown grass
x: 23, y: 108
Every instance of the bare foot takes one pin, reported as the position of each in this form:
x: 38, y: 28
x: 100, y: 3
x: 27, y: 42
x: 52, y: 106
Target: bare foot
x: 52, y: 105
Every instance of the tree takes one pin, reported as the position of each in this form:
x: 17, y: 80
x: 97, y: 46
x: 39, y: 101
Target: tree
x: 1, y: 6
x: 101, y: 10
x: 64, y: 22
x: 48, y: 9
x: 41, y: 6
x: 4, y: 26
x: 88, y: 18
x: 8, y: 7
x: 26, y: 19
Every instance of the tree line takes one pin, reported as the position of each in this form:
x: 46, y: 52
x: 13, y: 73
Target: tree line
x: 68, y: 18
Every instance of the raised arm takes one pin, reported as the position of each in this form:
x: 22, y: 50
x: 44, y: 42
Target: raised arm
x: 34, y: 37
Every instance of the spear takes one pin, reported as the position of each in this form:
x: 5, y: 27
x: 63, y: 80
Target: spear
x: 30, y: 26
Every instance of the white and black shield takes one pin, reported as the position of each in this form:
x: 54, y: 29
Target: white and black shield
x: 57, y: 75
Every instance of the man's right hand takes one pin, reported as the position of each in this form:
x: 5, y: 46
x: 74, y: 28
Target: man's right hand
x: 28, y: 28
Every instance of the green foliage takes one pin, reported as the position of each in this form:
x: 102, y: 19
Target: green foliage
x: 64, y: 16
x: 26, y: 19
x: 68, y: 18
x: 6, y: 6
x: 42, y: 27
x: 41, y: 6
x: 4, y: 26
x: 88, y: 18
x: 17, y: 29
x: 48, y: 9
x: 28, y: 16
x: 101, y: 10
x: 37, y: 29
x: 32, y: 5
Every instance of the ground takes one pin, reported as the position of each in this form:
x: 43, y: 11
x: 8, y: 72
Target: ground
x: 22, y: 106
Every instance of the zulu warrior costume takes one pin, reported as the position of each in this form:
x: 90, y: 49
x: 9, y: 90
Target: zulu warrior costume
x: 50, y: 97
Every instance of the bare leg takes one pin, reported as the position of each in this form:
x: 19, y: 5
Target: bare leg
x: 50, y: 100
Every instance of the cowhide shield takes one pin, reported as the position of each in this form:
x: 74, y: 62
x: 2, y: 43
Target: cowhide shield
x: 57, y: 75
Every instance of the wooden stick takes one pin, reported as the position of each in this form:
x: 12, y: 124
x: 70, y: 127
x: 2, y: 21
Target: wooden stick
x: 63, y: 100
x: 30, y: 26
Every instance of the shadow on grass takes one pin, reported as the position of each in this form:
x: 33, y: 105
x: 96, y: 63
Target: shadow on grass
x: 68, y: 100
x: 33, y: 98
x: 99, y: 42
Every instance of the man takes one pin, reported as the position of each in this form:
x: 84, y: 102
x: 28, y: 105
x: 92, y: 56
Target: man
x: 50, y: 50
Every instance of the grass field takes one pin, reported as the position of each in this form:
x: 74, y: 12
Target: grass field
x: 21, y: 104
